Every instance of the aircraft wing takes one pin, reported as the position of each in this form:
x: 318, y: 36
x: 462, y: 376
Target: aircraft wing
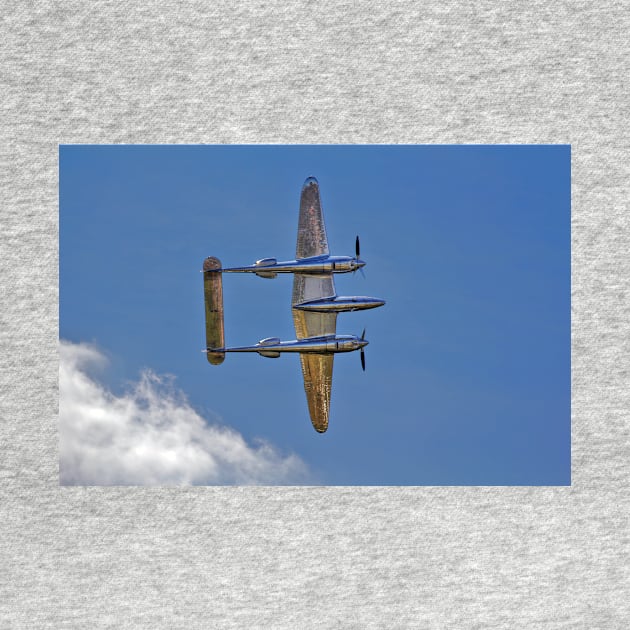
x: 317, y: 369
x: 312, y: 240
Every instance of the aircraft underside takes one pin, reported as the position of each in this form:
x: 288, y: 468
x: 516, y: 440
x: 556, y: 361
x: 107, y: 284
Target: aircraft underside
x: 314, y: 305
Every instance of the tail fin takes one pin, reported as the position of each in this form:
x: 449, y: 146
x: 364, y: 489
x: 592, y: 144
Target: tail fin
x: 213, y: 292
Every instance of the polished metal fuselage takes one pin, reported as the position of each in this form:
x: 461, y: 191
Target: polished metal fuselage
x: 328, y: 344
x: 315, y: 264
x: 340, y: 304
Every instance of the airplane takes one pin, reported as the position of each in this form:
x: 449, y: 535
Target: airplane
x: 315, y: 305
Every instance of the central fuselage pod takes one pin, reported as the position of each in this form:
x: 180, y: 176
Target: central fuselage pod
x: 340, y: 304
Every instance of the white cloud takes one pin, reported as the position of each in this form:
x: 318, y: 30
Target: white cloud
x: 151, y: 435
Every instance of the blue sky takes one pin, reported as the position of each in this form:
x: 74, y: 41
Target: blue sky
x: 468, y: 367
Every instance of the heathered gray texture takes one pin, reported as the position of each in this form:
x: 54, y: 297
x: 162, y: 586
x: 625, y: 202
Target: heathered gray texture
x: 401, y: 72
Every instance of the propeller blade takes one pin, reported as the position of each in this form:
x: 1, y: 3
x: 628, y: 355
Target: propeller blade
x: 362, y: 272
x: 363, y: 359
x: 363, y: 335
x: 357, y: 248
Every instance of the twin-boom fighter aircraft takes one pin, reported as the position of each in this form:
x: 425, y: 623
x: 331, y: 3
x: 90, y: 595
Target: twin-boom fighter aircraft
x: 314, y: 305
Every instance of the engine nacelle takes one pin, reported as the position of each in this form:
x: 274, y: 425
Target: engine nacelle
x: 266, y: 274
x: 270, y: 354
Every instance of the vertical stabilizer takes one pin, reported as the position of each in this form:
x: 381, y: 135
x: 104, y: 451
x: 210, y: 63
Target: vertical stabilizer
x: 213, y: 293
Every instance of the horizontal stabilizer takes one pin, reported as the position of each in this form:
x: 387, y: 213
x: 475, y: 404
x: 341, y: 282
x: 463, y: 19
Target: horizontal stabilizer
x: 213, y: 296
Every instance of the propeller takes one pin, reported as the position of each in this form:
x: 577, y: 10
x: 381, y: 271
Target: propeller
x: 362, y: 352
x: 357, y: 249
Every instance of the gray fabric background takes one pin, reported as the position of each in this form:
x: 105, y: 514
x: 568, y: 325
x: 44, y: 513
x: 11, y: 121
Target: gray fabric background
x: 109, y: 72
